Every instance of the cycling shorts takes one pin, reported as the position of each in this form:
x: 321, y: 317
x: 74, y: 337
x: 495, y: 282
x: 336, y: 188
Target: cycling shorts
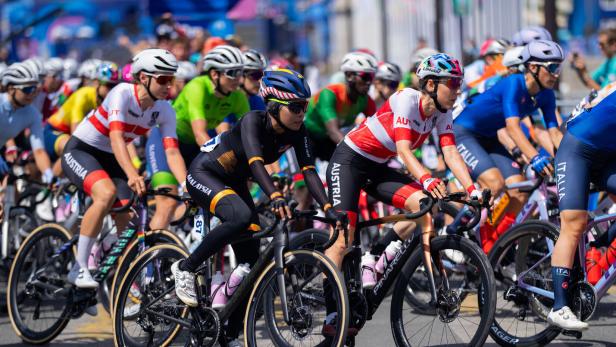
x: 577, y: 165
x: 51, y: 139
x: 349, y: 172
x: 482, y: 153
x: 81, y: 163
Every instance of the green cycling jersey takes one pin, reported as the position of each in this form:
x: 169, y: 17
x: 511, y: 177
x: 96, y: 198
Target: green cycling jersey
x: 198, y: 101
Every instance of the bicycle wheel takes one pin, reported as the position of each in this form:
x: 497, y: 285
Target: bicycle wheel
x: 304, y: 273
x: 521, y: 316
x: 38, y: 292
x: 464, y: 306
x: 152, y: 238
x: 21, y: 223
x: 309, y: 239
x: 145, y: 296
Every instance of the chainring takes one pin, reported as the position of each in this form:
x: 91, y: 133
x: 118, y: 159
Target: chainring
x: 359, y: 309
x: 584, y: 300
x: 206, y: 326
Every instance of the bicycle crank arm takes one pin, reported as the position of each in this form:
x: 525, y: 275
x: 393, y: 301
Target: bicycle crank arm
x: 50, y: 287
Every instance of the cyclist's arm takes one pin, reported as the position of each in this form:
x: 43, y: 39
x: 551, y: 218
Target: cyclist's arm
x: 403, y: 148
x: 456, y: 164
x: 550, y: 117
x: 36, y: 142
x: 305, y: 159
x: 505, y: 139
x: 199, y: 127
x: 518, y: 137
x: 117, y: 117
x: 196, y: 111
x: 167, y: 124
x: 326, y: 109
x: 254, y: 154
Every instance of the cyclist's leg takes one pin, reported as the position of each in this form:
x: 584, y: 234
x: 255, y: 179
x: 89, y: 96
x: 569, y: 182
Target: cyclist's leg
x: 55, y: 141
x: 573, y: 165
x: 161, y: 178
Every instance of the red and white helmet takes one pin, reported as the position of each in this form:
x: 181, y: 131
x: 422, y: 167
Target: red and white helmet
x: 358, y: 62
x: 493, y: 46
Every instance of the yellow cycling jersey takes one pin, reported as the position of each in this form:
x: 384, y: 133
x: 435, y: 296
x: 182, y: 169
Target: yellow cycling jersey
x: 74, y: 110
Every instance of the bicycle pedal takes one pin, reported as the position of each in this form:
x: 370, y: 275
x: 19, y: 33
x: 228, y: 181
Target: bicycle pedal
x: 573, y: 333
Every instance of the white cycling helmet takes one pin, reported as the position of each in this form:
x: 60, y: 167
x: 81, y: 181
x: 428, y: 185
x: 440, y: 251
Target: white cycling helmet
x: 70, y: 68
x: 253, y: 60
x: 155, y: 61
x: 54, y: 66
x: 19, y: 74
x: 513, y: 57
x: 422, y: 54
x: 88, y: 68
x: 529, y: 34
x: 36, y: 64
x: 542, y: 51
x: 493, y: 46
x: 223, y: 57
x: 358, y: 62
x: 186, y: 71
x: 388, y: 71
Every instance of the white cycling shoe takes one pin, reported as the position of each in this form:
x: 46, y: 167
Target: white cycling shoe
x: 81, y: 277
x: 566, y: 319
x: 184, y: 285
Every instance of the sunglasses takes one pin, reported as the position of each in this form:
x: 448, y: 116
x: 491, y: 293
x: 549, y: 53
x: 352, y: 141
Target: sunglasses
x: 27, y: 89
x: 233, y: 73
x: 296, y: 107
x: 392, y: 84
x: 162, y: 79
x: 452, y: 83
x: 553, y: 68
x: 365, y: 76
x: 254, y: 75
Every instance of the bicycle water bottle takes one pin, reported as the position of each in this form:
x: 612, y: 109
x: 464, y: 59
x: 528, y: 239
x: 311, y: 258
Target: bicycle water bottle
x: 236, y: 278
x: 219, y: 299
x: 388, y: 256
x: 368, y: 272
x: 593, y: 269
x: 609, y: 257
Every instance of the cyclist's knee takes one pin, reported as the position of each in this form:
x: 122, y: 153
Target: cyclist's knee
x: 234, y: 212
x: 573, y: 223
x: 105, y: 193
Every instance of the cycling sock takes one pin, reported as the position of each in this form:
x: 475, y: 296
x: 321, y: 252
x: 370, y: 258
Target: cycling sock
x: 389, y: 237
x: 84, y: 247
x: 560, y: 277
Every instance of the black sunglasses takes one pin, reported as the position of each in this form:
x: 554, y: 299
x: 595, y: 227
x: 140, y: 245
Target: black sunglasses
x: 233, y: 73
x: 27, y: 89
x: 365, y: 76
x: 254, y: 75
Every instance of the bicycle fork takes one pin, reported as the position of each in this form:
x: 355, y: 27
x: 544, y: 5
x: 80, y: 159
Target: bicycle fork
x: 280, y: 245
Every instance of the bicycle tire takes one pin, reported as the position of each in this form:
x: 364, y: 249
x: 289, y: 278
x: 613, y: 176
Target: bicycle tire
x: 497, y: 332
x: 487, y: 296
x: 21, y: 329
x: 309, y: 239
x: 152, y: 238
x: 261, y: 288
x: 158, y: 251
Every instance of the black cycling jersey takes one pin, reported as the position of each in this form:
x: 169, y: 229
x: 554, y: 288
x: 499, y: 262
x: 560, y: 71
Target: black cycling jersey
x: 244, y: 151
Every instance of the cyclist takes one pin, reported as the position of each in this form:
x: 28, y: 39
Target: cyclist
x: 399, y: 126
x: 587, y: 154
x: 217, y: 178
x: 63, y: 123
x: 337, y: 105
x: 386, y: 82
x: 49, y: 98
x: 502, y: 106
x: 254, y: 66
x: 96, y: 158
x: 17, y: 114
x: 210, y: 104
x: 490, y: 64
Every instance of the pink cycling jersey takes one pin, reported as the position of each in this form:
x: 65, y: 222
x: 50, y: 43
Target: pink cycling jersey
x: 121, y: 110
x: 400, y: 118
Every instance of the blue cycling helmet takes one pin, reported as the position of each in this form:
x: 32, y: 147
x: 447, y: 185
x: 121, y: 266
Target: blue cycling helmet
x: 284, y: 84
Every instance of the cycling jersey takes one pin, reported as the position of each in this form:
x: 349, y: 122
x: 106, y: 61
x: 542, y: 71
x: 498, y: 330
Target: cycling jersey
x: 74, y: 110
x: 256, y: 102
x: 243, y: 151
x: 593, y: 121
x: 473, y: 71
x: 14, y: 121
x: 606, y: 72
x: 332, y: 102
x: 487, y: 112
x: 197, y: 100
x: 400, y: 118
x: 121, y: 110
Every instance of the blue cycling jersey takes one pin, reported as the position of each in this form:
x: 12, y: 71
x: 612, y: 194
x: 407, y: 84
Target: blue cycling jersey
x: 595, y: 123
x: 256, y: 103
x: 486, y: 113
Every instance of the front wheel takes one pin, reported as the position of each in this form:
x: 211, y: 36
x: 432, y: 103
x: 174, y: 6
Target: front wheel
x: 464, y: 306
x: 306, y: 273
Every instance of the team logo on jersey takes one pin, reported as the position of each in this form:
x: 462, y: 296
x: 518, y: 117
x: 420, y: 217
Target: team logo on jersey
x: 154, y: 118
x: 134, y: 114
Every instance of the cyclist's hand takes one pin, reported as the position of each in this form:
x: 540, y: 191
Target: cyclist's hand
x: 4, y: 167
x: 475, y: 194
x: 434, y: 186
x: 338, y: 216
x: 577, y: 62
x: 10, y: 154
x: 280, y: 207
x: 137, y: 184
x: 541, y: 164
x: 47, y: 176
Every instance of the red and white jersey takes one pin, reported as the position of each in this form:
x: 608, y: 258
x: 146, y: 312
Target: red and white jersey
x: 400, y: 118
x: 121, y: 110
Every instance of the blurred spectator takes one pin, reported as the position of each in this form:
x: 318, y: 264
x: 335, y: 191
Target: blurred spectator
x: 181, y: 48
x: 212, y: 42
x: 606, y: 72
